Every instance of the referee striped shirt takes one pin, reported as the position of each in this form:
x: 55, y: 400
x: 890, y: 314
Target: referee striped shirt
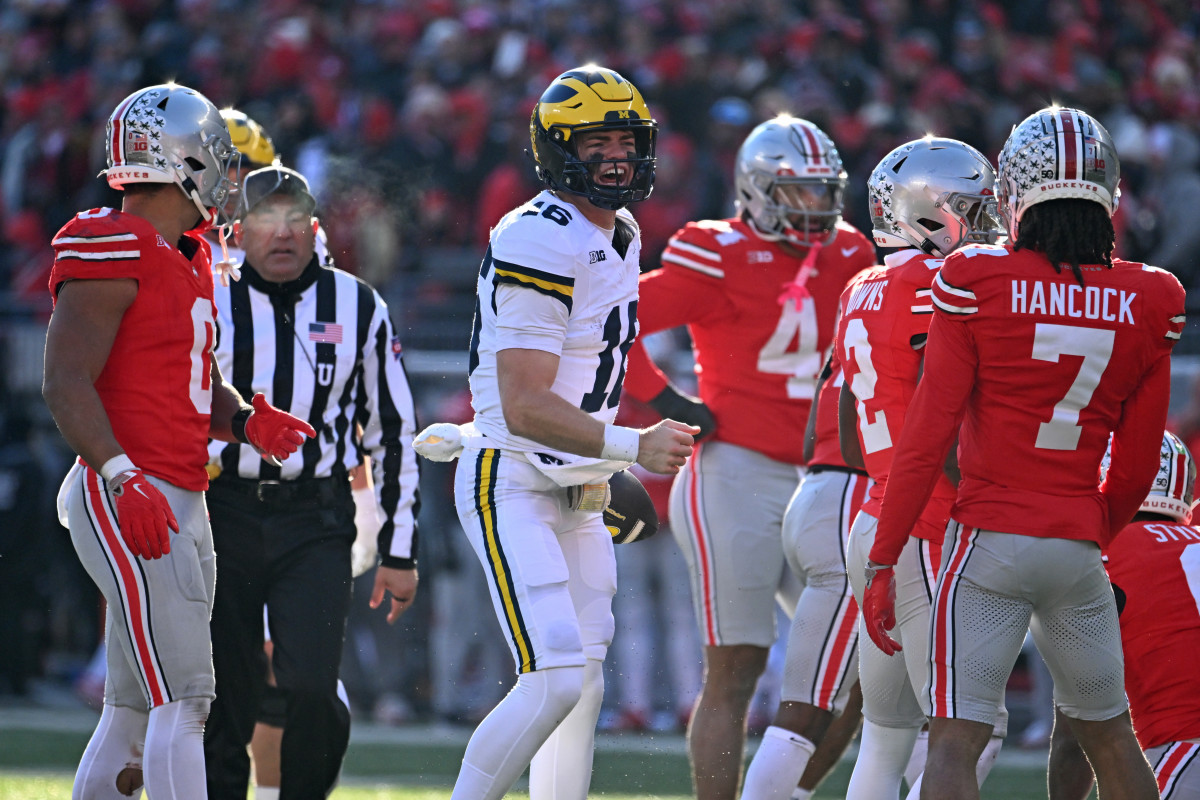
x: 323, y: 348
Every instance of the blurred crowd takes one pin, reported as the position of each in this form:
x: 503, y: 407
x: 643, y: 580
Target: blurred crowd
x: 410, y: 120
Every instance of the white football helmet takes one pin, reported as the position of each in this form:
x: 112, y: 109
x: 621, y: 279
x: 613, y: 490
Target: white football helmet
x: 1053, y: 154
x: 1171, y: 493
x: 935, y: 194
x: 790, y: 181
x: 171, y: 134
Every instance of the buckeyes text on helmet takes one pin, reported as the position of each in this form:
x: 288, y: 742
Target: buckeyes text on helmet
x: 1174, y: 485
x: 1053, y: 154
x: 585, y: 99
x: 790, y: 181
x: 171, y: 134
x: 250, y: 138
x: 934, y: 194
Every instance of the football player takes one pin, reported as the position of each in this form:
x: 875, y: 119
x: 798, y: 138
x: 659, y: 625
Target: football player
x: 820, y: 704
x: 1038, y: 350
x: 758, y: 294
x: 1153, y: 566
x: 930, y: 197
x: 555, y: 314
x: 133, y: 386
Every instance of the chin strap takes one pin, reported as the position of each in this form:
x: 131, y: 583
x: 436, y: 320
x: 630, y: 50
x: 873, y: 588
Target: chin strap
x: 226, y: 267
x: 795, y: 290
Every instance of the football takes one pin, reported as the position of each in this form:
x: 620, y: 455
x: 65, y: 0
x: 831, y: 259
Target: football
x: 630, y: 514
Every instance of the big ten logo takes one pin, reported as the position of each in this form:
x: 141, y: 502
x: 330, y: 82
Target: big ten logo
x: 139, y: 142
x: 596, y: 255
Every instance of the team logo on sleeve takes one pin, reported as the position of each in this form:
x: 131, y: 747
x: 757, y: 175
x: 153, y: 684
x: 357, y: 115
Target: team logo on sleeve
x: 397, y: 349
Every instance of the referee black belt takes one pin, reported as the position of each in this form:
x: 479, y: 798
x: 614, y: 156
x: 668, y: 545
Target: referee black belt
x: 817, y: 469
x: 306, y: 492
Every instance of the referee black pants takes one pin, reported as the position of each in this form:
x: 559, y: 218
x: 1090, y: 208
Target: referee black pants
x: 288, y: 548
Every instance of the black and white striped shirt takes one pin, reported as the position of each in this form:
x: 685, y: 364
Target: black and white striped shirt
x: 323, y: 348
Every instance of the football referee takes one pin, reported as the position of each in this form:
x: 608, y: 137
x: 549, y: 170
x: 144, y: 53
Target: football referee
x: 318, y: 343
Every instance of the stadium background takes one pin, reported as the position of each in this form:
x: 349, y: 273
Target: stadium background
x: 410, y: 119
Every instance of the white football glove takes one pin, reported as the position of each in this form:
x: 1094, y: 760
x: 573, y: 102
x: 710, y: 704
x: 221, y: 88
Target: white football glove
x: 442, y: 441
x: 364, y: 553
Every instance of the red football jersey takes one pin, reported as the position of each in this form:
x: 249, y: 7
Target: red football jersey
x: 1156, y: 566
x: 1038, y: 370
x: 157, y: 385
x: 880, y: 341
x: 827, y: 448
x: 757, y: 358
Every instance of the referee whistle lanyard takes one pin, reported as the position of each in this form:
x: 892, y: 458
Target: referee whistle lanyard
x: 795, y: 289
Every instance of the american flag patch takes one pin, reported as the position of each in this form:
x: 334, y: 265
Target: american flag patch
x: 327, y: 332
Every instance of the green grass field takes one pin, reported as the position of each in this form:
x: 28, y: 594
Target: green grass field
x: 419, y: 764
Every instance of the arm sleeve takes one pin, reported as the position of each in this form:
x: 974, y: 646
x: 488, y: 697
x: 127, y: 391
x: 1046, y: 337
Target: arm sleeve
x: 1135, y: 447
x: 929, y: 430
x: 385, y: 411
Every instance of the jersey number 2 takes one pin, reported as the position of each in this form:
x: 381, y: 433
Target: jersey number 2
x: 875, y: 435
x: 1096, y: 346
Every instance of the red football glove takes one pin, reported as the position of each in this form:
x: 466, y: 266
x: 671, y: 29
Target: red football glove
x: 143, y: 514
x: 274, y: 433
x: 879, y: 610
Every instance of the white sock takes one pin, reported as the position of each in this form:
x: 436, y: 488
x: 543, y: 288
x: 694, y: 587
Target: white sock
x: 987, y: 759
x: 914, y: 788
x: 266, y: 793
x: 562, y: 767
x: 777, y: 765
x: 916, y: 762
x: 174, y: 763
x: 504, y: 743
x: 802, y: 794
x: 882, y: 756
x: 117, y: 743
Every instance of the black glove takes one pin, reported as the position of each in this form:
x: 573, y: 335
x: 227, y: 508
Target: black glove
x: 671, y: 403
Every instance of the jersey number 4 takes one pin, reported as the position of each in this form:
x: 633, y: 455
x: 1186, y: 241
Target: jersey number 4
x: 1096, y: 346
x: 792, y: 349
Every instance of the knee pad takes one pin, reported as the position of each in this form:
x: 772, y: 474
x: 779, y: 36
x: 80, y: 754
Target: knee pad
x: 557, y: 689
x: 184, y: 716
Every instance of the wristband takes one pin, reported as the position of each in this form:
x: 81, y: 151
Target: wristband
x: 620, y: 443
x: 115, y: 466
x: 238, y: 423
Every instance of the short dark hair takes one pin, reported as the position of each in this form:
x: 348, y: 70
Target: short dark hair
x: 1068, y: 232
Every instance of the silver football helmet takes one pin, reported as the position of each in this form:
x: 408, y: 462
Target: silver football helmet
x: 1054, y: 154
x: 171, y: 134
x: 790, y: 181
x: 935, y: 194
x: 1173, y: 487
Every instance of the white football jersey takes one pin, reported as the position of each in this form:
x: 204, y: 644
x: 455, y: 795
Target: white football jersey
x: 553, y: 281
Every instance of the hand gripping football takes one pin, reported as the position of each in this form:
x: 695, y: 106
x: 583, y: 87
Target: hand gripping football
x: 630, y: 515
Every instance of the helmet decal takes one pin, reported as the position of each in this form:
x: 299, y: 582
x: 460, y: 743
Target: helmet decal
x: 1057, y: 153
x: 171, y: 134
x: 935, y: 194
x: 1171, y: 493
x: 790, y: 182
